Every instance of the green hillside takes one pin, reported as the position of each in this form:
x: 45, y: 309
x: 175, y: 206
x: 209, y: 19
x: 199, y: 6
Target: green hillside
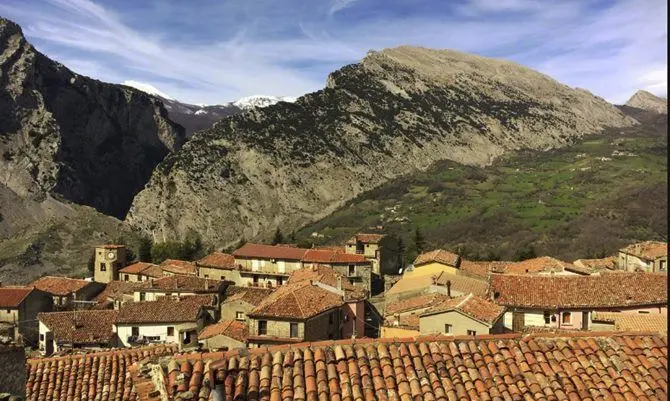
x: 582, y: 201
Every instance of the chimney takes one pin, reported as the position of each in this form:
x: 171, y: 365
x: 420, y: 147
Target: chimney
x: 434, y: 280
x: 206, y: 284
x: 339, y: 282
x: 449, y: 288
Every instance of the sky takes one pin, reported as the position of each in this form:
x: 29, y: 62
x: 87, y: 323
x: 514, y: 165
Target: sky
x: 214, y: 51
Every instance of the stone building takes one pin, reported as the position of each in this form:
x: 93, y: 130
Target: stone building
x: 85, y: 329
x: 649, y: 256
x: 226, y: 334
x: 109, y: 259
x: 19, y: 307
x: 64, y: 291
x: 464, y: 315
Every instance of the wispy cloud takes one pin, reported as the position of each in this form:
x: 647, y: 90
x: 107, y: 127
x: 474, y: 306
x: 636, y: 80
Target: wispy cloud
x: 221, y: 51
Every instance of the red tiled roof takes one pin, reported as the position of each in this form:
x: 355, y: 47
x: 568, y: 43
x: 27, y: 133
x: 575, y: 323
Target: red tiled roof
x: 80, y: 327
x: 301, y: 300
x: 462, y: 284
x: 409, y: 321
x: 649, y: 250
x: 365, y: 238
x: 471, y: 305
x: 116, y: 290
x: 477, y: 268
x: 251, y: 295
x: 99, y: 376
x: 606, y: 290
x: 11, y: 297
x: 178, y: 266
x: 651, y: 322
x: 59, y: 285
x: 535, y: 265
x: 322, y: 274
x: 164, y: 310
x: 413, y: 303
x: 217, y: 260
x: 184, y: 284
x: 263, y: 251
x: 439, y: 256
x: 503, y: 367
x: 136, y: 268
x: 234, y: 329
x: 597, y: 264
x: 326, y: 256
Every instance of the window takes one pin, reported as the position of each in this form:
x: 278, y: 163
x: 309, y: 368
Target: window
x: 280, y: 281
x: 41, y: 337
x: 661, y: 265
x: 472, y: 333
x: 239, y: 315
x: 547, y: 317
x: 255, y: 279
x: 143, y: 296
x: 294, y: 330
x: 103, y: 267
x: 9, y: 311
x: 262, y: 327
x: 135, y: 331
x: 206, y: 275
x: 125, y: 277
x: 352, y: 270
x: 170, y: 331
x: 643, y: 311
x: 448, y: 328
x: 566, y: 318
x: 345, y: 316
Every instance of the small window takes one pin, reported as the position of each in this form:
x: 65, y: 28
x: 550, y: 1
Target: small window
x: 239, y: 315
x: 41, y: 337
x: 553, y: 318
x: 294, y: 330
x: 262, y: 327
x: 255, y: 279
x: 9, y: 311
x: 280, y: 281
x: 566, y: 318
x: 170, y: 331
x: 206, y: 275
x: 448, y: 328
x: 547, y: 317
x: 472, y: 333
x: 135, y: 331
x: 103, y: 267
x: 125, y: 277
x: 643, y: 311
x: 143, y: 296
x: 352, y: 270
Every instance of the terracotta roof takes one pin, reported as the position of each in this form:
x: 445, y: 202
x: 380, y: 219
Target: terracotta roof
x: 462, y: 284
x: 234, y: 329
x: 607, y: 290
x: 409, y: 321
x: 537, y: 265
x: 328, y: 276
x: 178, y: 266
x: 326, y: 256
x: 649, y: 250
x: 477, y: 268
x: 439, y: 256
x: 650, y: 322
x: 164, y: 310
x: 183, y: 283
x: 597, y: 264
x: 301, y: 300
x: 504, y: 367
x: 335, y: 248
x: 269, y: 252
x: 100, y: 376
x: 59, y: 285
x: 80, y: 327
x: 365, y: 238
x: 136, y: 268
x: 11, y: 297
x: 476, y: 307
x: 414, y: 303
x: 217, y: 260
x: 251, y: 295
x: 116, y: 290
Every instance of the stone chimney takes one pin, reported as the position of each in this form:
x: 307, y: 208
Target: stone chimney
x: 449, y: 288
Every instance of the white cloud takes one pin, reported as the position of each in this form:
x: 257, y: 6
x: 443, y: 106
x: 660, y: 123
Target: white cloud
x: 147, y: 88
x: 339, y: 5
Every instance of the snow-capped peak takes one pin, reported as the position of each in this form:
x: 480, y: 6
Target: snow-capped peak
x: 261, y: 101
x: 147, y: 88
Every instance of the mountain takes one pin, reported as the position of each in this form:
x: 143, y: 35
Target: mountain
x: 648, y: 101
x: 76, y: 138
x: 396, y: 112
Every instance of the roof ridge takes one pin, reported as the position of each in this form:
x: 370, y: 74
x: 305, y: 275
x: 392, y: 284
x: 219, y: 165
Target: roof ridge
x: 464, y: 300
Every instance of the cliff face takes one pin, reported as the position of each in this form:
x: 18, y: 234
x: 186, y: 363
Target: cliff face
x: 395, y: 112
x: 644, y: 100
x: 79, y: 139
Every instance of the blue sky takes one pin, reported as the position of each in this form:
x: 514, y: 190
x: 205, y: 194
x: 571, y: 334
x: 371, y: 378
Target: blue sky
x: 213, y: 51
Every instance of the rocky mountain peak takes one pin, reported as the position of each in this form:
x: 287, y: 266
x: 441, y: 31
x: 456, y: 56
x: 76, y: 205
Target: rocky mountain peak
x: 648, y: 101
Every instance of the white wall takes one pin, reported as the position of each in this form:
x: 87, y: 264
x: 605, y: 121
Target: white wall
x: 42, y: 343
x: 156, y: 330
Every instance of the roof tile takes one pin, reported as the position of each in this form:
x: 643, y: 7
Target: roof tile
x: 80, y: 327
x: 301, y: 300
x: 12, y: 297
x: 59, y: 285
x: 234, y: 329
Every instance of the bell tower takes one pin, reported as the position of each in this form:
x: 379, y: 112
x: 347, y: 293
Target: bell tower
x: 108, y: 260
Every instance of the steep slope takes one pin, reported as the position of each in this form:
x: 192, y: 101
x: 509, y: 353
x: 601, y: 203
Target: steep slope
x: 397, y: 111
x: 648, y: 101
x: 64, y: 134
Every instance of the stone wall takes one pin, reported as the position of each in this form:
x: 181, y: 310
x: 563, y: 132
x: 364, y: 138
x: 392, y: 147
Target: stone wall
x: 13, y: 377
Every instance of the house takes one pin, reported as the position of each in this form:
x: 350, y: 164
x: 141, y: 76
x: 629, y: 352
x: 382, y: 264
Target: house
x: 401, y: 317
x: 226, y: 334
x: 267, y: 265
x: 649, y: 256
x: 86, y: 329
x: 602, y: 264
x: 239, y: 301
x: 19, y: 307
x: 444, y: 283
x: 109, y: 259
x: 178, y: 286
x: 630, y: 322
x: 178, y: 267
x: 117, y: 293
x: 218, y: 265
x: 294, y: 313
x: 543, y: 265
x: 379, y: 249
x: 568, y: 302
x: 357, y: 268
x: 140, y: 271
x: 354, y: 308
x: 463, y: 315
x: 64, y: 291
x: 165, y: 320
x: 578, y: 366
x: 435, y: 262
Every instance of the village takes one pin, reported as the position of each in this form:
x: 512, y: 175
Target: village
x: 261, y: 296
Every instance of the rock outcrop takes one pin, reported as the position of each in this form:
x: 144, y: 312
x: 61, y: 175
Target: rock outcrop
x: 397, y: 111
x: 73, y: 137
x: 648, y: 101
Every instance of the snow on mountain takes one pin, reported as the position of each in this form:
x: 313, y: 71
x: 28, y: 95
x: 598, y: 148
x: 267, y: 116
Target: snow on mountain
x: 261, y: 101
x: 146, y: 88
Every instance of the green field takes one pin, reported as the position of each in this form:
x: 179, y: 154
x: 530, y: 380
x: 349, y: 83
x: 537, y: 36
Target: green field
x: 582, y: 201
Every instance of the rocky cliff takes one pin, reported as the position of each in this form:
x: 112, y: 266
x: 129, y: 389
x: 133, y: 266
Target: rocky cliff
x: 76, y: 138
x: 397, y: 111
x: 648, y: 101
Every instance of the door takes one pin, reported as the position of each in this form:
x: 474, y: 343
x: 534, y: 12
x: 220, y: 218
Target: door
x: 518, y: 321
x: 585, y: 320
x: 49, y: 343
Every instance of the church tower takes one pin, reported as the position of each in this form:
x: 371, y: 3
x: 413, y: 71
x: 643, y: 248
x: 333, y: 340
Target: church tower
x: 108, y: 260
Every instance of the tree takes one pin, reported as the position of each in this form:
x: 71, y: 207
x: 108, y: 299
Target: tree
x: 167, y: 250
x: 419, y: 241
x: 523, y: 253
x: 278, y: 237
x: 144, y: 251
x: 130, y: 253
x: 91, y: 262
x: 291, y: 237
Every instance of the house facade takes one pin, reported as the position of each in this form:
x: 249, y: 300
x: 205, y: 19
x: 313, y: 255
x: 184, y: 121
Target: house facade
x: 224, y: 335
x: 357, y: 268
x: 140, y: 272
x: 19, y: 307
x: 267, y: 265
x: 649, y: 256
x: 180, y: 286
x: 65, y: 291
x: 85, y: 329
x: 218, y: 265
x: 239, y: 301
x: 379, y: 249
x: 465, y: 315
